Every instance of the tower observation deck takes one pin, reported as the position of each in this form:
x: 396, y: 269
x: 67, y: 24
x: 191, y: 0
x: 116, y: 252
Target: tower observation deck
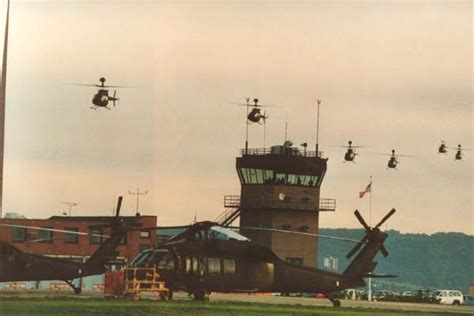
x: 280, y: 189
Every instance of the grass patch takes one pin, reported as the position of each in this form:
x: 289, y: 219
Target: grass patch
x: 85, y: 307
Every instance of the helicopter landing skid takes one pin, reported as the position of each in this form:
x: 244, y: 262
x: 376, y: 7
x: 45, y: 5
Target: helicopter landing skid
x: 77, y: 290
x: 335, y: 302
x: 94, y: 107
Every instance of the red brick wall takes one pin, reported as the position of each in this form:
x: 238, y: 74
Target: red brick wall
x: 83, y: 248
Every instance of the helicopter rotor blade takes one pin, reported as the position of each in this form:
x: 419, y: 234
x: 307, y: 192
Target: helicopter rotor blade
x: 83, y: 85
x: 385, y: 218
x: 294, y: 232
x: 357, y: 247
x: 119, y: 205
x: 361, y: 220
x: 159, y: 227
x: 52, y: 230
x: 255, y: 106
x: 106, y: 86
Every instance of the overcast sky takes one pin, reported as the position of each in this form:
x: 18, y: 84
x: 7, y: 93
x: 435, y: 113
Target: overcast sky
x: 393, y: 75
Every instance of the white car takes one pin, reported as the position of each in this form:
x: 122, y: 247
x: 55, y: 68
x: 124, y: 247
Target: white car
x: 449, y: 297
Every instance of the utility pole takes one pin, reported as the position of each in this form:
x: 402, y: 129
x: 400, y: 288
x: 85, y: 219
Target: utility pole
x: 3, y: 89
x: 137, y: 193
x: 70, y: 205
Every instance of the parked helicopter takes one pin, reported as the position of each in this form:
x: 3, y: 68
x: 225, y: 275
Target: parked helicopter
x: 207, y: 257
x: 16, y: 265
x: 102, y: 97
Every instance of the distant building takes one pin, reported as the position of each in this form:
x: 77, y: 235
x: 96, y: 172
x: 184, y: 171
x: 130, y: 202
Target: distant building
x: 14, y: 215
x: 331, y: 264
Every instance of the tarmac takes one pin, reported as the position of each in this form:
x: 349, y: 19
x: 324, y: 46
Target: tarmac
x: 310, y: 301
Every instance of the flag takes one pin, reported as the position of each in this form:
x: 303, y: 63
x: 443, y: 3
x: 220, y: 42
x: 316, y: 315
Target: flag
x: 367, y: 190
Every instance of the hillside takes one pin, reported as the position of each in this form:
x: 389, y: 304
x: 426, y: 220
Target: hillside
x: 441, y: 260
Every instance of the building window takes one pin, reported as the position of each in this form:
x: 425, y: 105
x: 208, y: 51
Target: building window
x: 295, y: 261
x: 71, y: 238
x: 18, y: 234
x: 213, y: 265
x: 145, y: 234
x: 95, y: 235
x: 45, y: 236
x: 229, y: 266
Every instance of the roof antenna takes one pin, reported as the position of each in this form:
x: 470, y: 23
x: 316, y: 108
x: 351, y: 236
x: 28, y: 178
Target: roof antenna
x: 317, y: 129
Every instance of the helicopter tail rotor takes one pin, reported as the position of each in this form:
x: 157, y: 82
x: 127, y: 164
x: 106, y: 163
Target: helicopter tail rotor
x: 372, y: 233
x: 114, y: 98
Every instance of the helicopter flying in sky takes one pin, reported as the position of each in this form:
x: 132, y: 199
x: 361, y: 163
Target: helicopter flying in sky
x: 459, y: 154
x: 255, y: 115
x: 443, y: 149
x: 393, y: 160
x: 351, y: 154
x: 207, y: 257
x: 102, y: 98
x: 16, y: 265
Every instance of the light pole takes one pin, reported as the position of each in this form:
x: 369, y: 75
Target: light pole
x: 137, y: 193
x: 70, y: 205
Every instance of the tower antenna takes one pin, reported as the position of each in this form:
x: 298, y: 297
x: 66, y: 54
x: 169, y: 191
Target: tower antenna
x: 247, y: 126
x: 317, y: 129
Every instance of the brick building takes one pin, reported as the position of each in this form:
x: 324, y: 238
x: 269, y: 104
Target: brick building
x: 52, y: 243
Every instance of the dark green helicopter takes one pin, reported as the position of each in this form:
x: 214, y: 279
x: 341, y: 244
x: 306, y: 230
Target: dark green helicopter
x: 16, y: 265
x: 207, y: 257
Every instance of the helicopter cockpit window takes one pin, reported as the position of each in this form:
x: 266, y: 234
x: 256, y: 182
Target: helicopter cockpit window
x: 143, y: 259
x: 221, y: 233
x: 164, y: 260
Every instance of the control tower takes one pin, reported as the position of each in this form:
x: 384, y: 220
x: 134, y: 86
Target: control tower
x: 280, y: 189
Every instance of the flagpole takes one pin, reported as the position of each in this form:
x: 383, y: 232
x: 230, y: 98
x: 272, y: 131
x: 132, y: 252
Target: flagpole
x: 370, y: 224
x: 370, y: 203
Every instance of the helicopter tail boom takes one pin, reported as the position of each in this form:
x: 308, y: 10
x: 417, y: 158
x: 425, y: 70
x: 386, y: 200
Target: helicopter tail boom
x: 107, y: 251
x: 373, y: 240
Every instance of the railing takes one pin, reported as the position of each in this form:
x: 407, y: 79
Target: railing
x: 228, y: 216
x: 327, y: 205
x: 232, y: 205
x: 231, y: 201
x: 288, y: 151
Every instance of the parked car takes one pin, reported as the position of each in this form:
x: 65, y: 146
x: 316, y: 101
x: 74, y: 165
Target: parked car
x: 449, y: 297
